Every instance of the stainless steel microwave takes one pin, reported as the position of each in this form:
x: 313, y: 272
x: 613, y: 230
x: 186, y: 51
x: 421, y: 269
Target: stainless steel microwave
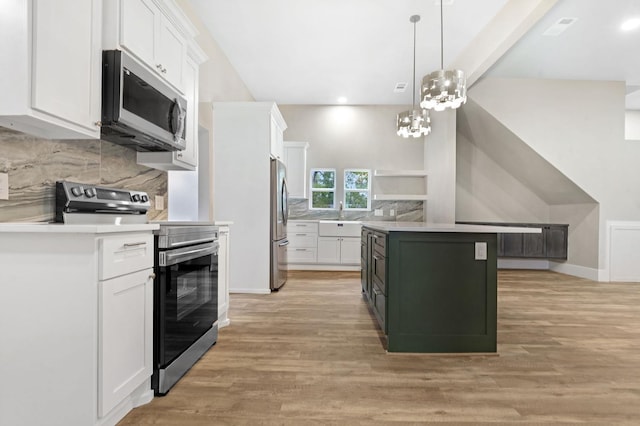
x: 139, y: 110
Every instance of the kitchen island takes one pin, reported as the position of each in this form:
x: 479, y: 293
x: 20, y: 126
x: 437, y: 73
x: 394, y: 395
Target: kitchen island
x: 433, y: 287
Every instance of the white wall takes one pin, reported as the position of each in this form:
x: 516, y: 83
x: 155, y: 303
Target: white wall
x: 219, y: 81
x: 632, y: 125
x: 356, y: 137
x: 486, y: 192
x: 577, y: 126
x: 440, y: 163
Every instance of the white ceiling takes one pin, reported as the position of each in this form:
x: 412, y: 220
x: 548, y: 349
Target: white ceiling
x: 314, y: 51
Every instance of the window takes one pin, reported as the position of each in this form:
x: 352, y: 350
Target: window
x: 323, y: 189
x: 357, y: 189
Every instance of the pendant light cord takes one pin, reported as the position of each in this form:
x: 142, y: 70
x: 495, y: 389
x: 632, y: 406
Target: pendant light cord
x: 441, y: 38
x: 413, y: 82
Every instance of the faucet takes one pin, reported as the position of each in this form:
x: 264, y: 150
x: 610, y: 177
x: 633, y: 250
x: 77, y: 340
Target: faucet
x: 340, y: 212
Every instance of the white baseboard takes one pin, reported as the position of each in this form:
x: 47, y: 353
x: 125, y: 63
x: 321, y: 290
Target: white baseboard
x: 504, y: 263
x: 576, y: 271
x: 250, y: 290
x: 321, y: 267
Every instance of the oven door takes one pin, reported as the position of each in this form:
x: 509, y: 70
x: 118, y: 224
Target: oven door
x: 186, y: 300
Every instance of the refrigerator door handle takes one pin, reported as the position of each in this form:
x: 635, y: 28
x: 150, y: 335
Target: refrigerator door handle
x: 284, y: 243
x: 285, y: 203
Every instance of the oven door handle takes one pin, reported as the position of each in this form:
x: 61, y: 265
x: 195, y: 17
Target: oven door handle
x: 171, y: 257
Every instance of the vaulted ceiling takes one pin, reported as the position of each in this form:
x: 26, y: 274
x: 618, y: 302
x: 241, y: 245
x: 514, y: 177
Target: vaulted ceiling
x: 313, y: 52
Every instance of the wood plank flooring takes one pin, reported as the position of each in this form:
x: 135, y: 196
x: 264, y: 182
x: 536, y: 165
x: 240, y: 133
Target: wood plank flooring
x: 311, y: 354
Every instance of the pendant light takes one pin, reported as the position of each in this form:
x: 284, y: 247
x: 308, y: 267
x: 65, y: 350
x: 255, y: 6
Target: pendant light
x: 443, y: 89
x: 415, y: 122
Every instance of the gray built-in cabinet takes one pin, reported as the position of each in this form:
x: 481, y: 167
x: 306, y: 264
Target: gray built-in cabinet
x: 551, y: 243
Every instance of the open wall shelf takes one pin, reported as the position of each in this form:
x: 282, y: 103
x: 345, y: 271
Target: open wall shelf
x: 400, y: 173
x: 398, y: 197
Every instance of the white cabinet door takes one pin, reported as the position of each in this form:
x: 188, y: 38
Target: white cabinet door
x: 350, y: 250
x: 138, y: 28
x: 223, y: 276
x: 153, y: 39
x: 51, y: 68
x: 295, y: 158
x: 67, y: 60
x: 125, y: 337
x: 328, y: 250
x: 277, y: 140
x: 171, y: 51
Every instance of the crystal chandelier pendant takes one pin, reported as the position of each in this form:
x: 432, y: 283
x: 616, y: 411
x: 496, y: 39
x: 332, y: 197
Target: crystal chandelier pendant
x: 415, y: 123
x: 443, y: 89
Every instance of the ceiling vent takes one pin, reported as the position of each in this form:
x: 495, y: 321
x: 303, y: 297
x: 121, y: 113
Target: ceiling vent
x: 400, y: 88
x: 560, y: 26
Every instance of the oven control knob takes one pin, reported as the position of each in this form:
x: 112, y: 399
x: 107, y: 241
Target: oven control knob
x: 144, y: 198
x: 77, y: 191
x: 135, y: 197
x: 90, y: 192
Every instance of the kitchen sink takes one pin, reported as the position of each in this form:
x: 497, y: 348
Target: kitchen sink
x: 339, y: 228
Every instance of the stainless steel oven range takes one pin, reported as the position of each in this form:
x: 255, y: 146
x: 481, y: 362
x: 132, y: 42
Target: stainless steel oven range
x: 185, y: 295
x: 185, y: 299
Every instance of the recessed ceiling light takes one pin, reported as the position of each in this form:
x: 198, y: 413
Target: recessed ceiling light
x: 342, y: 100
x: 630, y: 24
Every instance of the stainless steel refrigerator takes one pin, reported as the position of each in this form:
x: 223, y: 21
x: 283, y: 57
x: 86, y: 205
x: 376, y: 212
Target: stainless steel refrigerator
x: 279, y: 213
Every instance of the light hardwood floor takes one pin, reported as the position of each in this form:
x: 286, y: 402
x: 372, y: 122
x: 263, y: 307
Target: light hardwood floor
x: 310, y: 354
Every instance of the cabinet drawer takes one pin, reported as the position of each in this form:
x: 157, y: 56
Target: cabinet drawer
x: 294, y: 227
x: 379, y: 269
x: 303, y: 239
x: 121, y: 255
x: 301, y: 255
x: 379, y: 242
x: 378, y: 302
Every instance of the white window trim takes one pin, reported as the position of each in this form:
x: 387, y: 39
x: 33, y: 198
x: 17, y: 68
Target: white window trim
x: 312, y: 189
x: 345, y: 190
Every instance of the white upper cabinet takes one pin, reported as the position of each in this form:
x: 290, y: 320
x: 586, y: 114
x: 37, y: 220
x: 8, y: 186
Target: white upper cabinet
x: 50, y: 64
x: 187, y: 159
x: 278, y: 126
x: 295, y: 159
x: 156, y: 32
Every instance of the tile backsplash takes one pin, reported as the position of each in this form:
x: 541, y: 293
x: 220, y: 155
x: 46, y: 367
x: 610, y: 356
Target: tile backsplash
x: 405, y: 211
x: 34, y: 165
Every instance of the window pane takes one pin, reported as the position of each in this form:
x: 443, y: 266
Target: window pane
x: 322, y: 200
x: 356, y: 200
x: 323, y: 179
x: 356, y: 180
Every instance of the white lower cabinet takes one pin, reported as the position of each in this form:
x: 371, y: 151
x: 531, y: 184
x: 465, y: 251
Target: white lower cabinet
x: 83, y: 298
x: 303, y: 242
x: 339, y: 250
x: 223, y: 276
x: 125, y: 329
x: 307, y: 250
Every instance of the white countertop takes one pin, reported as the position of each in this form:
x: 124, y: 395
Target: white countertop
x: 447, y: 227
x: 223, y: 222
x: 46, y: 227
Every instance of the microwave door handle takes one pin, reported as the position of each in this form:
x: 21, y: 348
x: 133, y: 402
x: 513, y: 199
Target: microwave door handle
x: 181, y: 119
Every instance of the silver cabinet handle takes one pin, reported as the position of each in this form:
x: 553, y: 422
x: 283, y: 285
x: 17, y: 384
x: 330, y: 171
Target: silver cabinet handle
x: 142, y: 243
x: 152, y: 276
x: 282, y: 244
